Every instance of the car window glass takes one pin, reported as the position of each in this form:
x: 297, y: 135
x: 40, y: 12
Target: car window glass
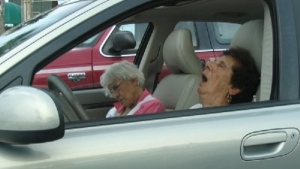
x: 224, y: 31
x: 17, y: 35
x: 190, y: 26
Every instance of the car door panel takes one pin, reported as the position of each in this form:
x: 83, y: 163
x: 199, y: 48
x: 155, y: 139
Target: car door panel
x: 207, y: 141
x: 200, y: 141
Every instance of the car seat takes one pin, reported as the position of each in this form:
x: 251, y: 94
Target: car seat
x: 179, y: 89
x: 256, y: 36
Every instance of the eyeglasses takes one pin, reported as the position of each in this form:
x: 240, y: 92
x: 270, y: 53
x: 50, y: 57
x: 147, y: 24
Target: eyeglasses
x: 114, y: 88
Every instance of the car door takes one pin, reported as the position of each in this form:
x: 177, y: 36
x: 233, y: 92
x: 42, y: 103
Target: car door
x: 211, y: 140
x: 262, y: 134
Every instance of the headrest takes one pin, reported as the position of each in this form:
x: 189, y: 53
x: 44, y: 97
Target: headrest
x: 179, y: 54
x: 250, y: 37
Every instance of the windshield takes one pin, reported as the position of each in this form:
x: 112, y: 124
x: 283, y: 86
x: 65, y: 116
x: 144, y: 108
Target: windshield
x: 15, y: 36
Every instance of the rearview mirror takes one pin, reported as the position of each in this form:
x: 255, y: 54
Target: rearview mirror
x: 29, y: 115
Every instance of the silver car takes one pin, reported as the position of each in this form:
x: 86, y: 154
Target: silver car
x: 56, y: 127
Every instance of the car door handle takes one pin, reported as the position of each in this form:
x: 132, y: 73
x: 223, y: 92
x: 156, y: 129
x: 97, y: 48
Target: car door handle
x: 269, y: 144
x: 76, y: 77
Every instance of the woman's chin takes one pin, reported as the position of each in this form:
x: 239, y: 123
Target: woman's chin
x: 123, y: 102
x: 202, y: 89
x: 199, y: 90
x: 202, y: 83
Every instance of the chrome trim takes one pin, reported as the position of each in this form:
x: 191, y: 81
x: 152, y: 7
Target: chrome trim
x: 101, y: 47
x: 206, y: 50
x: 76, y: 77
x: 219, y: 50
x: 210, y: 50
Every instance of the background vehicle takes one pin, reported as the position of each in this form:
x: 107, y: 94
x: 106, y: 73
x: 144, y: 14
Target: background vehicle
x: 261, y: 134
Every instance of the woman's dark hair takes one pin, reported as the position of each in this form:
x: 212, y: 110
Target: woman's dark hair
x: 245, y: 75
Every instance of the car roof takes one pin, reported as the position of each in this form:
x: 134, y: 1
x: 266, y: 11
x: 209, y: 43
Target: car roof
x: 236, y: 11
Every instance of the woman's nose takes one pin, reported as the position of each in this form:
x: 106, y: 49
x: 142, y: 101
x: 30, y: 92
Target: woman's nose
x: 117, y: 95
x: 212, y: 64
x: 114, y: 95
x: 208, y: 65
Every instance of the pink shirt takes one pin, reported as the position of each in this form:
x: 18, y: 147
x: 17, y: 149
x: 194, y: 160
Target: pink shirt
x: 146, y: 104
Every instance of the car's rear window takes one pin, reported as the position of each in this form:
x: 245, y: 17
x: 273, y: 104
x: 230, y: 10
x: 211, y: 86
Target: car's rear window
x: 15, y: 36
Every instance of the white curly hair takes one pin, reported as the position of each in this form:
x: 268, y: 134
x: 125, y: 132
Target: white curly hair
x: 122, y: 70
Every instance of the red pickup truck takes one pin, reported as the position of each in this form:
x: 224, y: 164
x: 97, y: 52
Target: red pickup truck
x: 82, y: 66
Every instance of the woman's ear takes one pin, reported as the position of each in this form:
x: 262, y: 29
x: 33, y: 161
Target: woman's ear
x: 234, y: 91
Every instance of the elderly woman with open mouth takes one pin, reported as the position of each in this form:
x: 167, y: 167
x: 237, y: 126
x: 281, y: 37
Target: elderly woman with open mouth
x: 230, y: 79
x: 124, y: 82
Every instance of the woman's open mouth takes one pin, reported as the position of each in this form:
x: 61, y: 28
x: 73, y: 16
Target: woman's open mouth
x: 204, y: 78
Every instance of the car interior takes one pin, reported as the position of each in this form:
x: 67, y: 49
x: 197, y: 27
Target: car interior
x: 166, y: 47
x: 179, y: 89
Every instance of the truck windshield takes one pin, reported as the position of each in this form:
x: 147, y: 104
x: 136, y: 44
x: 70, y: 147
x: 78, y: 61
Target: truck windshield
x: 17, y: 35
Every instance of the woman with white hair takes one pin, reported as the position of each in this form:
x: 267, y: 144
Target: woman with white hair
x: 124, y: 82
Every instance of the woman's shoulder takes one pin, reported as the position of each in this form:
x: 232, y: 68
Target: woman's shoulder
x: 151, y: 106
x: 150, y: 100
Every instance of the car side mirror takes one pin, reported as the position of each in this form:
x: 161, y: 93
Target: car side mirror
x: 118, y: 42
x: 29, y: 115
x: 123, y: 40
